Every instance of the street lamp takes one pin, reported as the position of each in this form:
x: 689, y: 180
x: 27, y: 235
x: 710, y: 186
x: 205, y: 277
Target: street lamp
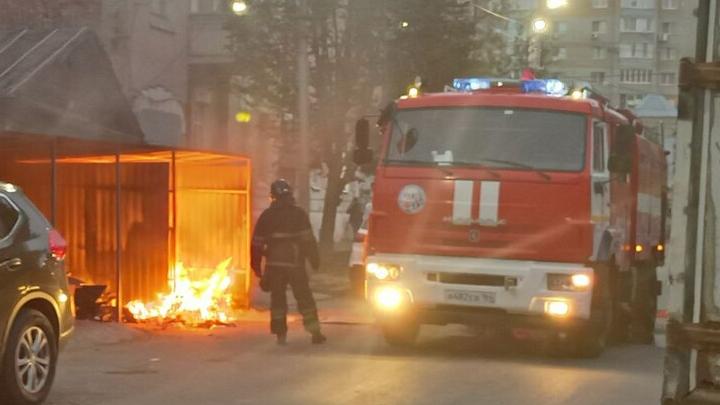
x: 239, y: 7
x: 553, y: 4
x: 539, y: 25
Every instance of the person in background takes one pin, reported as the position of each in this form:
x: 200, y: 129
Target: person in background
x: 355, y: 210
x: 283, y: 237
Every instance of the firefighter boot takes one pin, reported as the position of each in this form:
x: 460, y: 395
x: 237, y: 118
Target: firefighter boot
x: 318, y: 338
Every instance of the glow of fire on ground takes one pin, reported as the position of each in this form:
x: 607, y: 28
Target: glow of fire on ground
x: 192, y: 300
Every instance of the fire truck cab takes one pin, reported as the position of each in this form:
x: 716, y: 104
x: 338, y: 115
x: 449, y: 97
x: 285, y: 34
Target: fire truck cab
x: 513, y: 205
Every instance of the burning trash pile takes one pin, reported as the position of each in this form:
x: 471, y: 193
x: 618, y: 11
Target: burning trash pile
x: 196, y: 299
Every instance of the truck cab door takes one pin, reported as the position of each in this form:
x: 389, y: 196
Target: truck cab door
x: 600, y: 185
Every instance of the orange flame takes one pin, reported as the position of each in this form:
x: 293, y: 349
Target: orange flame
x: 192, y: 300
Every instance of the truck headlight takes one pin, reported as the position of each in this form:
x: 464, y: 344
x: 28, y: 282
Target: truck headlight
x: 569, y: 282
x: 557, y: 308
x: 388, y: 298
x: 383, y: 271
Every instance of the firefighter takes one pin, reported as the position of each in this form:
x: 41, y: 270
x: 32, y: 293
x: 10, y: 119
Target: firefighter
x: 284, y: 238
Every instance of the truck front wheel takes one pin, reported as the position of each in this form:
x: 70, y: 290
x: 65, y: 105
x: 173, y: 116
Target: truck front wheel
x: 591, y: 339
x: 403, y: 333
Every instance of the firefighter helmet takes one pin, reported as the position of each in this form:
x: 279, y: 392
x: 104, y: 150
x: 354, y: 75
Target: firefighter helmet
x: 280, y: 188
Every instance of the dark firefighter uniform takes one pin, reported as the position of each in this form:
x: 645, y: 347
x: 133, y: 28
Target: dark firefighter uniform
x: 283, y: 236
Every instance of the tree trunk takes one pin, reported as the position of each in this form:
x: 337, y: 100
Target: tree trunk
x: 332, y: 200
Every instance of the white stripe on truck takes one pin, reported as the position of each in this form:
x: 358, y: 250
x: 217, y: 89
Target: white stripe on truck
x: 462, y: 202
x: 489, y: 201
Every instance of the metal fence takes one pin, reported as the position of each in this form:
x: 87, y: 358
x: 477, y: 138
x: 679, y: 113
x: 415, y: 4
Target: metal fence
x: 129, y: 215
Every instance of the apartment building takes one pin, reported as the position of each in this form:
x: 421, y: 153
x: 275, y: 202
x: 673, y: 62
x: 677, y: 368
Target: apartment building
x: 146, y: 42
x: 626, y: 49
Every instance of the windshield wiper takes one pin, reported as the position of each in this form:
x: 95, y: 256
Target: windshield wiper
x: 445, y: 166
x: 521, y: 166
x: 439, y: 165
x: 474, y: 164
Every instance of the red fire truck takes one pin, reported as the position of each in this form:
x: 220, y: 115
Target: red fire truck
x: 514, y: 205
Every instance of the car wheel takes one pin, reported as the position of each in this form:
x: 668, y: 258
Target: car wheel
x: 28, y: 367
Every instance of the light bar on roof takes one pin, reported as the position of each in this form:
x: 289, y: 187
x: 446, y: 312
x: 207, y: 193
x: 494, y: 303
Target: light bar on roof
x: 472, y: 83
x: 551, y: 87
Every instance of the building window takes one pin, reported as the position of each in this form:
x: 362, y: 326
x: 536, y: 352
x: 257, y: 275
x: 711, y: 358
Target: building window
x: 159, y: 7
x: 597, y: 77
x: 635, y: 24
x: 599, y: 27
x: 561, y: 27
x: 668, y: 54
x: 560, y: 53
x: 666, y: 28
x: 599, y: 52
x: 600, y: 3
x: 599, y: 147
x: 645, y: 4
x: 638, y: 76
x: 668, y: 79
x: 526, y: 4
x: 641, y: 50
x: 630, y: 100
x: 669, y: 4
x: 646, y: 50
x: 207, y: 6
x: 626, y: 50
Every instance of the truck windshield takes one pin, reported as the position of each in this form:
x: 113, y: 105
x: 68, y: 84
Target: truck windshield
x: 490, y: 137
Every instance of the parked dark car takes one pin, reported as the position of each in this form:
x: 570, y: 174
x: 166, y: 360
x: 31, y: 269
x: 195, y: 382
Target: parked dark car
x: 35, y: 305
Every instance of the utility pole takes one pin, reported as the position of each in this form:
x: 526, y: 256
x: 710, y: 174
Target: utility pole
x: 302, y: 174
x: 692, y: 360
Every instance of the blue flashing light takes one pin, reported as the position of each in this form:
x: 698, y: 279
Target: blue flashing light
x: 471, y: 84
x: 551, y: 87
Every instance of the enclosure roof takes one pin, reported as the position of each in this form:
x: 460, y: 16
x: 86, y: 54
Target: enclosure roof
x: 60, y: 82
x: 655, y: 106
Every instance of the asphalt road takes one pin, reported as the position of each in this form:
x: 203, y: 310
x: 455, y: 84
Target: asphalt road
x: 111, y: 364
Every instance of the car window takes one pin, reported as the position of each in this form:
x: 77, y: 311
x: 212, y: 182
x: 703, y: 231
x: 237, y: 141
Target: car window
x: 8, y: 217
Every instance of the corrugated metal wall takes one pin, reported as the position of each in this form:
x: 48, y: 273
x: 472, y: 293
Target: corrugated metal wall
x: 213, y: 218
x: 212, y: 214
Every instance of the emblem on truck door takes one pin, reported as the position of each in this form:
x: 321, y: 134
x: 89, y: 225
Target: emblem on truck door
x: 411, y: 199
x: 474, y: 236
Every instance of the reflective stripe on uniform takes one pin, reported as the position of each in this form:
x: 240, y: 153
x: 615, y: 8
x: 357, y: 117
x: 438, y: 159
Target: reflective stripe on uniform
x: 282, y: 264
x: 291, y: 235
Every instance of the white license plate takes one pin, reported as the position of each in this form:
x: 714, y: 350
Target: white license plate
x: 470, y: 297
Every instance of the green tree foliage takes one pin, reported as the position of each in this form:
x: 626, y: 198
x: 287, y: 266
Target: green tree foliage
x: 442, y: 39
x: 354, y: 46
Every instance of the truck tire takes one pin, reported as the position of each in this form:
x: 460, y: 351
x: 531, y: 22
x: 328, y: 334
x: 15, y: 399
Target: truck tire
x: 590, y: 339
x: 644, y: 307
x: 30, y: 328
x: 356, y: 276
x: 400, y: 334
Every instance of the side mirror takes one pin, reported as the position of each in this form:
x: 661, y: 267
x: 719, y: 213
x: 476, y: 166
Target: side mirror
x: 362, y: 134
x: 620, y: 164
x: 621, y: 157
x: 362, y: 154
x: 624, y: 137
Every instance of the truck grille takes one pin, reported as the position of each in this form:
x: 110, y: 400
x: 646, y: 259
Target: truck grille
x: 472, y: 279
